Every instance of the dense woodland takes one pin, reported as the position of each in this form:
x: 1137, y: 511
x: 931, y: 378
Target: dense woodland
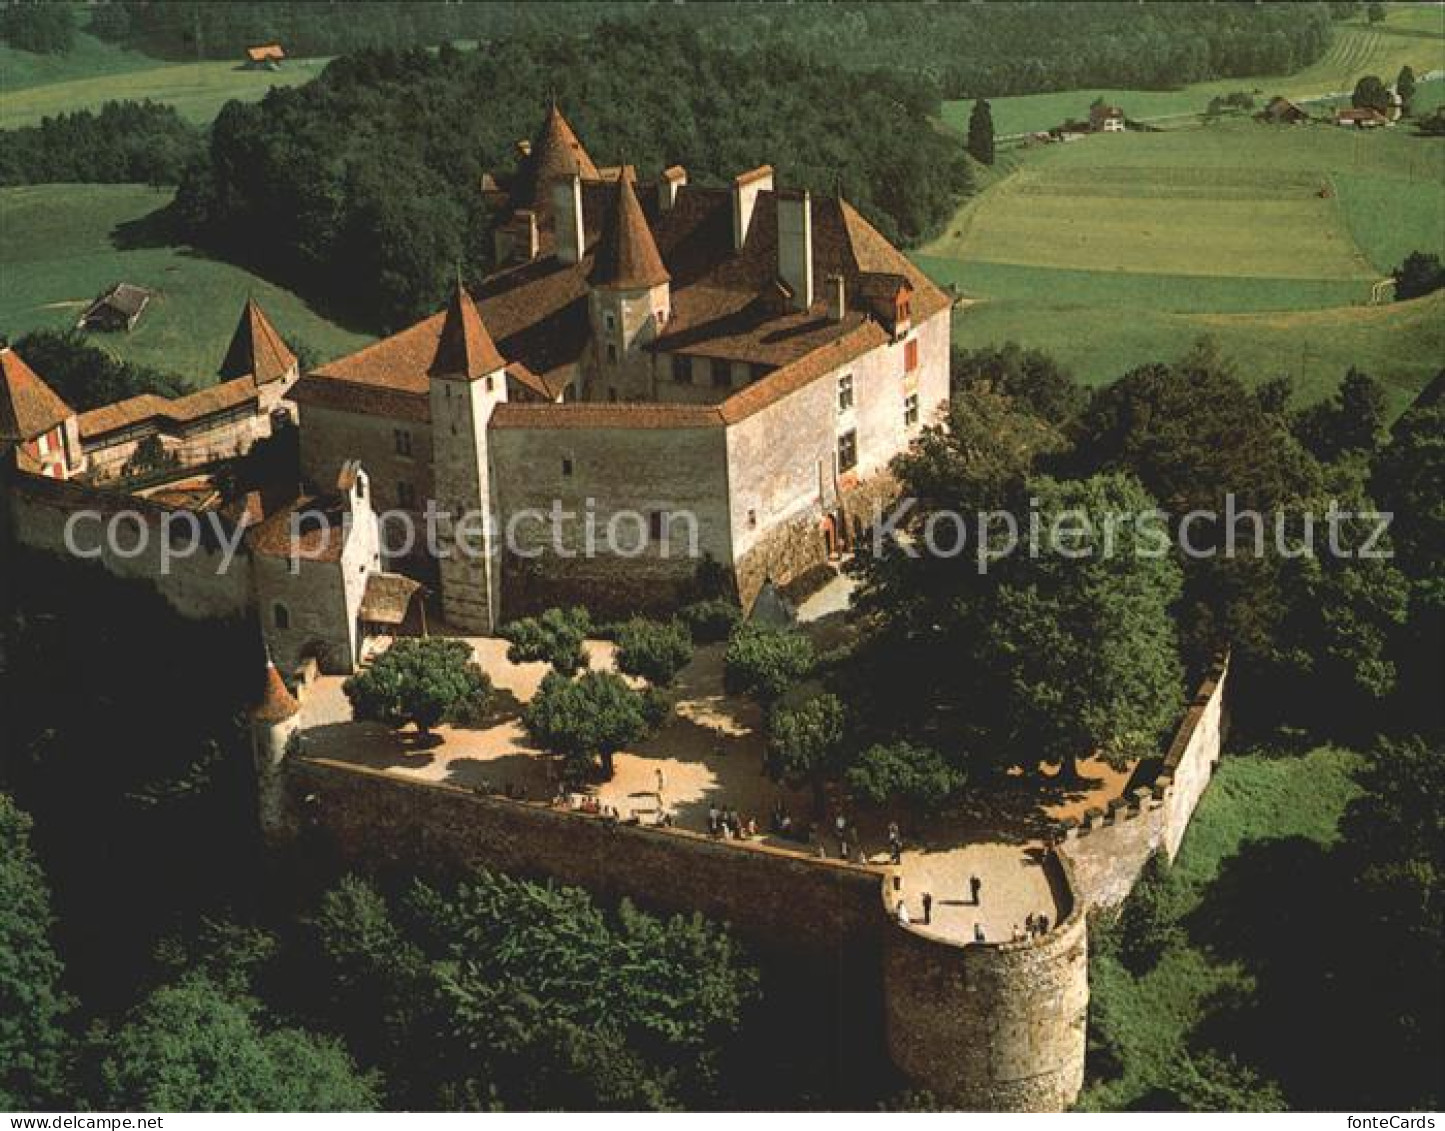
x: 122, y: 143
x: 306, y: 184
x: 968, y: 50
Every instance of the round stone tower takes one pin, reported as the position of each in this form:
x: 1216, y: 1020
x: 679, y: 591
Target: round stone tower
x: 274, y: 723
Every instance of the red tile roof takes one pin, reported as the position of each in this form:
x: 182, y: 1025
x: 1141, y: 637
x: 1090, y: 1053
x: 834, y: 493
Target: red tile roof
x: 555, y: 153
x: 256, y: 349
x: 627, y: 256
x: 181, y: 411
x: 277, y: 703
x: 29, y: 408
x: 464, y: 348
x: 266, y: 52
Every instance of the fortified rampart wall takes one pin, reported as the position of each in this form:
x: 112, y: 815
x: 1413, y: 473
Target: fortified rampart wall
x: 1109, y: 847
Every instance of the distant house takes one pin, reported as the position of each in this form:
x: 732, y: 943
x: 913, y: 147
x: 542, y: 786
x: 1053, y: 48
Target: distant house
x: 1361, y: 117
x: 117, y: 309
x: 1281, y: 111
x: 268, y: 56
x: 1106, y: 119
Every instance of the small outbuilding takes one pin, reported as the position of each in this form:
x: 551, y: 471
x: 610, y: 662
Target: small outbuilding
x: 1281, y: 111
x: 1106, y: 119
x: 1361, y: 117
x: 265, y: 57
x: 119, y: 308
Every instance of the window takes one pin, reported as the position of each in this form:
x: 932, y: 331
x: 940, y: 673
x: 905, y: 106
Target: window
x: 722, y: 372
x: 848, y: 450
x: 682, y: 369
x: 910, y: 355
x: 609, y: 320
x: 910, y: 410
x: 491, y: 384
x: 752, y: 519
x: 405, y: 495
x: 401, y: 438
x: 567, y: 467
x: 902, y: 313
x: 280, y: 616
x: 611, y: 354
x: 845, y: 392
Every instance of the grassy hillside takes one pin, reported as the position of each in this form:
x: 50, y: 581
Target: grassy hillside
x: 1412, y: 34
x: 1120, y: 249
x: 90, y: 58
x: 59, y: 248
x: 1259, y: 807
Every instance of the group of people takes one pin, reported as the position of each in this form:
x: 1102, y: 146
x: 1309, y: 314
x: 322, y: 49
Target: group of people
x: 1035, y: 925
x: 727, y: 824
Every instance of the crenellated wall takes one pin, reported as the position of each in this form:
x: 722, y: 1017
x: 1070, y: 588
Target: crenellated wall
x: 1109, y: 847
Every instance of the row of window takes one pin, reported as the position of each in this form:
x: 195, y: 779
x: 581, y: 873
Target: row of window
x: 719, y: 370
x: 845, y: 382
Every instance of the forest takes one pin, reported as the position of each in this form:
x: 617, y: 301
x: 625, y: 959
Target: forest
x: 361, y: 188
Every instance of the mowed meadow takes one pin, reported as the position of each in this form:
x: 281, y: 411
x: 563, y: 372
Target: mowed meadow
x: 1120, y: 249
x: 61, y: 245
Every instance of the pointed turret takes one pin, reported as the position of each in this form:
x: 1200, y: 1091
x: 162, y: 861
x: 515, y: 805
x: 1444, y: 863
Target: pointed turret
x: 277, y: 703
x: 465, y: 349
x: 29, y: 408
x: 627, y: 258
x: 555, y: 152
x: 257, y: 350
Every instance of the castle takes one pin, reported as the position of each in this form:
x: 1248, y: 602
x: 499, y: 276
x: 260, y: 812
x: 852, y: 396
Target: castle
x: 745, y: 356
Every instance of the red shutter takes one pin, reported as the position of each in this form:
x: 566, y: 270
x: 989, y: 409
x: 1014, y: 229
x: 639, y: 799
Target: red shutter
x: 910, y: 355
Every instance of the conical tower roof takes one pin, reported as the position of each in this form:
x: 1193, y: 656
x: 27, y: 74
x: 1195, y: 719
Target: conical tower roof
x: 465, y: 349
x: 28, y: 406
x: 277, y: 703
x: 556, y: 152
x: 627, y: 257
x: 256, y: 348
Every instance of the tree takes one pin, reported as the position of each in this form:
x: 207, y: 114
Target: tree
x: 39, y: 26
x: 917, y: 776
x: 980, y: 132
x: 1405, y: 479
x: 85, y: 376
x: 589, y: 718
x: 33, y: 1040
x: 1420, y: 274
x: 424, y: 681
x: 1371, y: 93
x: 1032, y: 379
x: 1405, y: 87
x: 556, y: 637
x: 1084, y: 656
x: 766, y: 662
x: 192, y: 1047
x: 710, y: 620
x: 1375, y: 12
x: 653, y: 651
x: 1352, y: 420
x: 805, y: 743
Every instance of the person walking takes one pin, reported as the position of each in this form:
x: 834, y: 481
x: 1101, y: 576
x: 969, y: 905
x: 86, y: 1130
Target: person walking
x: 975, y: 886
x: 927, y: 907
x: 978, y: 933
x: 661, y: 784
x: 902, y: 912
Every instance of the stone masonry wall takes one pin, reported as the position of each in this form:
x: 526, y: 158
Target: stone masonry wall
x: 1108, y: 848
x: 993, y: 1026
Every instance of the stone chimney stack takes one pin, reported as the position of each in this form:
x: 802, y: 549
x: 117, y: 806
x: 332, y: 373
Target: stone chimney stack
x: 746, y: 187
x: 672, y: 181
x: 795, y: 245
x: 833, y: 291
x: 567, y: 205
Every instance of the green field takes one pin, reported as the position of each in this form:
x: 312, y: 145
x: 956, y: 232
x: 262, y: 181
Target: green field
x: 58, y: 250
x: 36, y: 86
x: 1259, y: 805
x: 1119, y: 250
x: 1412, y: 34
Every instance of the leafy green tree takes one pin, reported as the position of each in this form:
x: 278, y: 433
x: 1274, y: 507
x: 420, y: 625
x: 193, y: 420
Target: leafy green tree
x: 1371, y: 93
x: 653, y: 651
x: 1032, y: 379
x: 424, y: 681
x: 1146, y: 925
x: 766, y: 662
x: 903, y: 772
x: 1085, y: 656
x: 33, y: 1040
x: 1352, y: 420
x: 85, y: 376
x: 1405, y: 479
x: 192, y: 1047
x: 1405, y: 87
x: 711, y: 620
x: 805, y: 743
x: 38, y: 26
x: 557, y: 637
x: 1420, y: 274
x: 589, y: 719
x: 980, y: 132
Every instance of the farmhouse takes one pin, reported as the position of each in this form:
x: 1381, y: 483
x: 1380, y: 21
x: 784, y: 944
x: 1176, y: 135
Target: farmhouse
x: 266, y: 56
x: 1106, y: 119
x: 1281, y: 111
x: 1361, y: 117
x: 119, y: 308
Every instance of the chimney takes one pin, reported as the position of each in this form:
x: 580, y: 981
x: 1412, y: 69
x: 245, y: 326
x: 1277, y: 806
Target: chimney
x: 567, y: 204
x: 746, y: 187
x: 795, y: 245
x: 833, y: 291
x: 672, y: 181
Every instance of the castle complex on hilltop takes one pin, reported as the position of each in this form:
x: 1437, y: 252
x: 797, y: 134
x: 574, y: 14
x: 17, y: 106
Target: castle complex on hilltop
x: 746, y: 357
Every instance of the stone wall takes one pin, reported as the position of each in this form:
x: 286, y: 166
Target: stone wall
x: 992, y: 1026
x: 331, y: 437
x: 1108, y: 848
